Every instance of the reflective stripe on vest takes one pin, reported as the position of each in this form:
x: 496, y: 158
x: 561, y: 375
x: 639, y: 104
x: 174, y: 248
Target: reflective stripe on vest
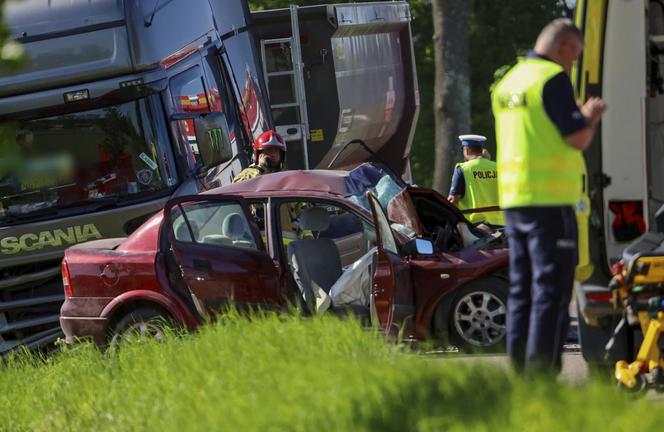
x: 536, y: 164
x: 481, y: 190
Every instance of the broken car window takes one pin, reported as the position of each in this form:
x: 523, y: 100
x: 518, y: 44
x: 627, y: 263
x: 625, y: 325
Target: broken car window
x: 375, y: 179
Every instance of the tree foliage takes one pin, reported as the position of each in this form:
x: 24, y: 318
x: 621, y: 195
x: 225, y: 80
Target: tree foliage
x: 11, y: 53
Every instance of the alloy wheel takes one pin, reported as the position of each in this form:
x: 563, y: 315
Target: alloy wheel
x: 479, y: 318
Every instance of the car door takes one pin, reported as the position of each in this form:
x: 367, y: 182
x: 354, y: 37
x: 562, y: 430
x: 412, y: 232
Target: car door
x: 392, y: 294
x: 220, y: 254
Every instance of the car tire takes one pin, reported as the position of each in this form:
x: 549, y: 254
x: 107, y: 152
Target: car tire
x: 477, y: 316
x: 142, y: 322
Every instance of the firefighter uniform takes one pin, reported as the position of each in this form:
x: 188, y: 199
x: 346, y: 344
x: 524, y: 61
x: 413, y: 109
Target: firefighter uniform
x: 539, y: 185
x: 248, y: 173
x: 288, y: 213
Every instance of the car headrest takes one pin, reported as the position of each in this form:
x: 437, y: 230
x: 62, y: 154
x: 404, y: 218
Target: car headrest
x: 314, y: 219
x: 233, y: 226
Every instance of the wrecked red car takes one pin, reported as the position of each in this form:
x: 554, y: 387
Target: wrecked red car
x: 358, y: 242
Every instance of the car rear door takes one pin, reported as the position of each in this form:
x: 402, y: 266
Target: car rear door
x: 220, y: 254
x: 392, y: 294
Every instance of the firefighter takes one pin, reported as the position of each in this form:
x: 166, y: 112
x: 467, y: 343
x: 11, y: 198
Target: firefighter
x: 541, y: 133
x: 475, y: 183
x: 269, y: 155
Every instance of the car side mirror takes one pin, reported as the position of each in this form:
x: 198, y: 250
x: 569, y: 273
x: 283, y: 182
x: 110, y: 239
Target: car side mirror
x: 213, y: 139
x: 418, y: 246
x: 423, y: 246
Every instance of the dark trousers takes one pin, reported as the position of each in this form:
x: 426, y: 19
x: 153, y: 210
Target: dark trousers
x: 543, y: 257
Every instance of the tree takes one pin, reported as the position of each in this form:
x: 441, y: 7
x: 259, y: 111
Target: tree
x: 452, y: 85
x: 11, y: 56
x: 11, y: 52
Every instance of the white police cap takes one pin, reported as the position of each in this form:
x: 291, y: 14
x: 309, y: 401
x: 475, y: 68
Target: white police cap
x: 472, y: 140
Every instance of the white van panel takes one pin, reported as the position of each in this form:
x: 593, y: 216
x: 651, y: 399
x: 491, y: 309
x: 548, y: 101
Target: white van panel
x: 623, y: 125
x: 655, y: 110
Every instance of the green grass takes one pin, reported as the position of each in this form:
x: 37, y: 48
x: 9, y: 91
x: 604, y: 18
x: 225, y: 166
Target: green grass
x: 284, y: 373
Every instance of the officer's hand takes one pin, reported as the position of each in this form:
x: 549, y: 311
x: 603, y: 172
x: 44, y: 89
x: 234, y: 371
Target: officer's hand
x: 593, y: 109
x: 264, y: 161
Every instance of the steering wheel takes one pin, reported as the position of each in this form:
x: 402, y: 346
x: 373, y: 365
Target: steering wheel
x: 442, y: 236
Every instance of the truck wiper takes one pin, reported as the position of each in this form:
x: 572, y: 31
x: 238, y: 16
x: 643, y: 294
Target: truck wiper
x: 97, y: 204
x: 10, y: 217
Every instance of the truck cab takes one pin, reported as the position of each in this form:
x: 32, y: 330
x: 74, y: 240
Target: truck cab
x: 109, y: 116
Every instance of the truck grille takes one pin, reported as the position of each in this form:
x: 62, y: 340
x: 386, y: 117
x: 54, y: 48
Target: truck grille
x: 30, y: 300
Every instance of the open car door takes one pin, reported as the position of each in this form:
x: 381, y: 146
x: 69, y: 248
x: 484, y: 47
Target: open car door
x: 392, y: 299
x: 220, y: 254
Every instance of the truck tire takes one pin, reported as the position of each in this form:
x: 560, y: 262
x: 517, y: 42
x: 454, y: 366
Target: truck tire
x: 142, y: 322
x: 477, y: 316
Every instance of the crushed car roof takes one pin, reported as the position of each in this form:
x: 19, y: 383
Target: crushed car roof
x: 328, y: 181
x: 315, y: 182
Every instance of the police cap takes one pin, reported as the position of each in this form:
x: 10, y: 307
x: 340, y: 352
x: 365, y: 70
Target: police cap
x: 471, y: 140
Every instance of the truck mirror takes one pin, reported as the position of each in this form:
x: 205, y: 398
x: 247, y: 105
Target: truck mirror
x: 213, y: 139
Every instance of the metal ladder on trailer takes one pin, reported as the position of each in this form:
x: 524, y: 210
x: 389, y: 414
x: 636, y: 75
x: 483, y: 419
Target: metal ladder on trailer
x: 284, y: 80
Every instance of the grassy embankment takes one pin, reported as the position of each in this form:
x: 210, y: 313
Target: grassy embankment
x: 289, y: 374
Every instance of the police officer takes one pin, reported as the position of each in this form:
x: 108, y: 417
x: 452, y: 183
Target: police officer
x: 269, y: 155
x: 541, y: 133
x: 474, y: 183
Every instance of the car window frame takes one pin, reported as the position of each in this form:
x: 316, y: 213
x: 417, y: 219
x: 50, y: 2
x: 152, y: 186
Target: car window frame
x: 166, y: 228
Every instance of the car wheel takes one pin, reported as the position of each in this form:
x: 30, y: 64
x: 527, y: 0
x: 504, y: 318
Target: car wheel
x: 142, y: 322
x: 478, y: 315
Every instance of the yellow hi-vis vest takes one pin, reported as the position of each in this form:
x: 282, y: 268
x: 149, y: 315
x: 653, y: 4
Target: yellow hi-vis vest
x: 481, y: 190
x: 536, y: 164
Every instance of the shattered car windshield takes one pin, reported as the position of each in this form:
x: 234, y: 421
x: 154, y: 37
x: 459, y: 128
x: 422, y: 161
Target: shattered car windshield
x: 376, y: 179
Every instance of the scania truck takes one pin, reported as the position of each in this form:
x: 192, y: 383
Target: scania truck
x: 122, y: 104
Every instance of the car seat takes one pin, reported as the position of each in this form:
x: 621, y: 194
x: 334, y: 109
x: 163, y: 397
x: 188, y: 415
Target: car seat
x: 316, y: 264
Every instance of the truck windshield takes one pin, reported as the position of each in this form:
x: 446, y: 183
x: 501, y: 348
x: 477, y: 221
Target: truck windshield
x: 79, y: 161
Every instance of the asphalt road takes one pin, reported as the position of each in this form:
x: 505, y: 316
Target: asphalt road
x: 575, y: 369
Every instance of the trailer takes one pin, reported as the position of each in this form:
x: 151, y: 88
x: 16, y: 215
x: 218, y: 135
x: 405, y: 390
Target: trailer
x: 335, y: 73
x: 124, y: 104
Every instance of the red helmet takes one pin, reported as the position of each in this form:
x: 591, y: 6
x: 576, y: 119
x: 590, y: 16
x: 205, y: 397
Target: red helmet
x: 269, y: 139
